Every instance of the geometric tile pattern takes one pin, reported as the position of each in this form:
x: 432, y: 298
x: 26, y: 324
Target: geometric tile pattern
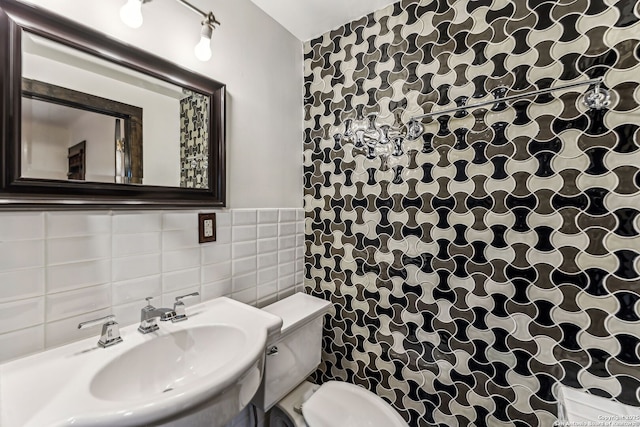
x: 194, y: 134
x: 501, y: 256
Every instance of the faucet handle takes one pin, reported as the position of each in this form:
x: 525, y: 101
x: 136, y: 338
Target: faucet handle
x: 110, y: 330
x: 179, y: 307
x: 181, y: 297
x: 148, y: 300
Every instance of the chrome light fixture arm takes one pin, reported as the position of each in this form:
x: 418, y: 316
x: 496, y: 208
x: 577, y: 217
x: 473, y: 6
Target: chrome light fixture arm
x: 209, y: 17
x: 131, y: 14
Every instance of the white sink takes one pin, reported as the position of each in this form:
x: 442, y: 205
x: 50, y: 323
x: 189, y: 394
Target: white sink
x: 205, y: 368
x: 169, y: 362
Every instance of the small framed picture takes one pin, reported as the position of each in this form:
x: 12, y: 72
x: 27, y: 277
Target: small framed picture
x: 206, y: 227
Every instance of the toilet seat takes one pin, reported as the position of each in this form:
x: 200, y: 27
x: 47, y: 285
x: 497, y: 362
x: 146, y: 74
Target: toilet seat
x: 342, y: 404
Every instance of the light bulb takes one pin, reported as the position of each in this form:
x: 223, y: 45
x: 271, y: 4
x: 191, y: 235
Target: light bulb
x: 203, y: 49
x: 131, y: 13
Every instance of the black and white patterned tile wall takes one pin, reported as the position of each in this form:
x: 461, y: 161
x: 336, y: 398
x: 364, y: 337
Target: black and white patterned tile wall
x: 194, y: 137
x: 502, y: 255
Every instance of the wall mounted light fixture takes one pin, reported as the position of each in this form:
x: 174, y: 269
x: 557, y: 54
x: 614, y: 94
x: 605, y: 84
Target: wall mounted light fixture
x: 131, y: 15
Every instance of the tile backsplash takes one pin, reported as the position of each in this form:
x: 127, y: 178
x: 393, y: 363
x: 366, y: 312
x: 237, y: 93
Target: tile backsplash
x: 61, y: 268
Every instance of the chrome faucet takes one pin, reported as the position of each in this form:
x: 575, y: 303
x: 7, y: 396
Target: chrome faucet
x: 179, y: 308
x: 110, y: 331
x: 149, y: 315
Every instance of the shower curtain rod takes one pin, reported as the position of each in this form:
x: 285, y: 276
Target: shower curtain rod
x: 597, y: 82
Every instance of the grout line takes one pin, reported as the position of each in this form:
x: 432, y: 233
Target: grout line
x: 161, y: 272
x: 45, y: 232
x: 111, y: 227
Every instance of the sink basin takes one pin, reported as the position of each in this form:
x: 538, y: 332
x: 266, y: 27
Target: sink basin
x: 169, y: 362
x: 200, y: 372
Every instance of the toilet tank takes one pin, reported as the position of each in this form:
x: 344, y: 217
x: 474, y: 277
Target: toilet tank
x: 294, y: 353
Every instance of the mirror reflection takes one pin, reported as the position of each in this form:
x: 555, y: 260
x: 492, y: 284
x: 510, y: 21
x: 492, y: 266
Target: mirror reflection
x: 87, y: 119
x: 54, y: 119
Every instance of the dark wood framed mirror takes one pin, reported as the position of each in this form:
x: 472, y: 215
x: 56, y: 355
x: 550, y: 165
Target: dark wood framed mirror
x: 152, y: 134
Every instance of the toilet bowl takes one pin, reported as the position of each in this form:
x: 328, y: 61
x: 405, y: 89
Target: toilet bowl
x: 292, y: 355
x: 333, y: 404
x: 288, y: 411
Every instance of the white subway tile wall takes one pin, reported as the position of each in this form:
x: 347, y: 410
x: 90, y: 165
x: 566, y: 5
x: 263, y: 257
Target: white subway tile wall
x: 61, y: 268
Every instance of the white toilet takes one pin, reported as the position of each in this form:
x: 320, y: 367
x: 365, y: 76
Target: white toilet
x: 292, y: 355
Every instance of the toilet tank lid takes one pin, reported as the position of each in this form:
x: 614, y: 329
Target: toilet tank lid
x: 298, y: 309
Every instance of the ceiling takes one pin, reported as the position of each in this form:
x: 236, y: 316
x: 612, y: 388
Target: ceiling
x: 307, y: 19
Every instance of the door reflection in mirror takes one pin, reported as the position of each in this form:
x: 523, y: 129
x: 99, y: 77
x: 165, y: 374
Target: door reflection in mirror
x: 122, y: 170
x: 55, y: 118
